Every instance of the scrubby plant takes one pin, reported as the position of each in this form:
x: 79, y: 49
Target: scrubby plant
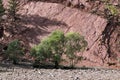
x: 74, y: 43
x: 50, y: 48
x: 13, y: 9
x: 14, y: 51
x: 112, y: 9
x: 57, y: 44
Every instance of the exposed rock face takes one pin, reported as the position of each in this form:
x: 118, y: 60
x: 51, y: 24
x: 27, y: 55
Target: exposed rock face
x: 41, y: 18
x: 47, y: 17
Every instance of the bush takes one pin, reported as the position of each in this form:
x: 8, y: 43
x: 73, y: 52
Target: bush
x: 55, y: 45
x: 50, y: 48
x: 74, y: 43
x: 13, y: 8
x: 111, y: 11
x: 14, y: 51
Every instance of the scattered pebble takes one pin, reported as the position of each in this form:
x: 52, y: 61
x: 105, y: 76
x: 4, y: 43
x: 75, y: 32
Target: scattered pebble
x: 58, y: 74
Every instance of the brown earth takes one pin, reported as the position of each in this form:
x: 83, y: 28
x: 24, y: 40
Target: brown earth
x: 41, y: 17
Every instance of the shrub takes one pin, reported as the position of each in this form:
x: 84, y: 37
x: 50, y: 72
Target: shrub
x: 14, y: 51
x: 74, y: 43
x: 13, y: 8
x: 50, y: 48
x: 56, y: 44
x: 112, y: 9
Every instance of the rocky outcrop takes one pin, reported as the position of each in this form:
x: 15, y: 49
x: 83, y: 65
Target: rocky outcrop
x: 46, y: 17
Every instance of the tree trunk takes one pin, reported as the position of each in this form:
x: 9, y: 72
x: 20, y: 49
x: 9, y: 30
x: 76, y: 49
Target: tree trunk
x: 1, y: 32
x: 56, y: 64
x: 14, y: 61
x: 36, y: 64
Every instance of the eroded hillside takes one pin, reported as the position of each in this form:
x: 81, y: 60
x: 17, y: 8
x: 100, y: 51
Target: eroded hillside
x: 40, y: 17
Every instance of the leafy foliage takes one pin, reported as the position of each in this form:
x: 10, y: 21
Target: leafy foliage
x: 50, y: 48
x: 13, y: 9
x: 55, y: 45
x: 112, y: 9
x: 74, y: 43
x: 14, y: 51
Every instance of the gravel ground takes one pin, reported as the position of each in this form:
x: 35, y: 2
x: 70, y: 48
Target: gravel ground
x: 17, y: 73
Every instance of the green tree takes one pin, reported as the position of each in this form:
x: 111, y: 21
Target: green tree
x: 74, y: 43
x: 50, y: 48
x: 57, y: 44
x: 13, y: 9
x: 14, y: 51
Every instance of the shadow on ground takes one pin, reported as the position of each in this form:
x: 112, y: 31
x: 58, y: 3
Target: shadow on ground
x: 28, y: 65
